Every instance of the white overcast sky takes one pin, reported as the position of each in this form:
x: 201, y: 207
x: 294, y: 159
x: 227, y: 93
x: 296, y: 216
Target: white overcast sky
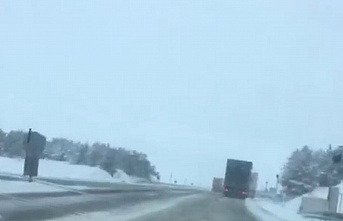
x: 190, y: 83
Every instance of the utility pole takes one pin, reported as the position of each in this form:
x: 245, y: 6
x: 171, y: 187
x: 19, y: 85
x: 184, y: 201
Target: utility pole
x: 277, y: 182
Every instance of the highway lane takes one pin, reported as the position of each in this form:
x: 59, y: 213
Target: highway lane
x: 21, y: 209
x: 196, y: 207
x: 208, y: 207
x: 43, y: 206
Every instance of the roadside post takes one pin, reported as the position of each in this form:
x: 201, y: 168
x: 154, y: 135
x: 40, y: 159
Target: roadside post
x: 34, y: 145
x: 277, y: 183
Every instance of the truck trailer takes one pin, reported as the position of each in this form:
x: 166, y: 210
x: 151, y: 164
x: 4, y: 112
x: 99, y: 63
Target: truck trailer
x: 237, y: 178
x: 218, y: 185
x: 253, y: 184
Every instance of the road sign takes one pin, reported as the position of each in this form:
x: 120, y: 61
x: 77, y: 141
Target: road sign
x: 34, y: 145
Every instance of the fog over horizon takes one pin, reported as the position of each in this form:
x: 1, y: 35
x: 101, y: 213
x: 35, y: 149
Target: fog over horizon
x: 188, y: 83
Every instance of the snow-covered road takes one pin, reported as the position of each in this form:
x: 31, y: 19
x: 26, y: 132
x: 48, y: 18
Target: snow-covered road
x: 43, y: 208
x: 199, y: 207
x: 164, y: 205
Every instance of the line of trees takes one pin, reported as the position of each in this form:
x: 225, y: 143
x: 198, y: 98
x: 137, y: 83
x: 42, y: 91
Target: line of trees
x: 97, y: 154
x: 307, y: 168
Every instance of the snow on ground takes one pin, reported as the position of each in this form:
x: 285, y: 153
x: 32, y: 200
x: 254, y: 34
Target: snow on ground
x: 267, y: 210
x: 64, y: 170
x: 26, y: 187
x: 287, y: 211
x: 129, y: 213
x: 319, y: 192
x: 123, y: 177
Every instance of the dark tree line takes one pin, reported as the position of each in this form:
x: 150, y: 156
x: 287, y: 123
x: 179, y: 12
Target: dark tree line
x: 307, y: 169
x: 97, y: 154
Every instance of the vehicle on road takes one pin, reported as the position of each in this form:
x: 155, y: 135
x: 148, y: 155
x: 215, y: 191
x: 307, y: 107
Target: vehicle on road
x: 253, y: 184
x: 237, y: 178
x: 217, y: 185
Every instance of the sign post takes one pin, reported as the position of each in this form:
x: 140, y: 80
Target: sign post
x: 34, y: 145
x: 277, y: 183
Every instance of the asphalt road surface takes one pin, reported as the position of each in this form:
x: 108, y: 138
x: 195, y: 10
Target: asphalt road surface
x: 207, y: 207
x: 196, y: 206
x: 43, y: 208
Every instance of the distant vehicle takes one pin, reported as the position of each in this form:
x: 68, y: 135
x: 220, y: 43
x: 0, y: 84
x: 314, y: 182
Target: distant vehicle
x: 237, y: 178
x: 253, y: 184
x: 218, y: 185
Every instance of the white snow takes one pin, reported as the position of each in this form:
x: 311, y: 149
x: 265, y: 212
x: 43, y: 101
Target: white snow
x: 26, y: 187
x: 266, y: 209
x: 319, y: 192
x: 64, y: 170
x: 123, y: 177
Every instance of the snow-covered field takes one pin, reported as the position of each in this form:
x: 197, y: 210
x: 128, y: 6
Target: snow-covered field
x: 58, y: 170
x: 64, y: 170
x: 25, y: 187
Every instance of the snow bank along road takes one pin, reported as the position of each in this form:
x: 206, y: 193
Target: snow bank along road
x: 71, y: 183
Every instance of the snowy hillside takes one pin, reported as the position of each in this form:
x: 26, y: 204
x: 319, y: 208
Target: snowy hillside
x: 64, y: 170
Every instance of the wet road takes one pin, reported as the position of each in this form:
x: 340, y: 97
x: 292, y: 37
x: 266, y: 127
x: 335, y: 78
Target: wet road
x: 26, y: 209
x: 194, y: 206
x: 207, y: 207
x: 100, y: 196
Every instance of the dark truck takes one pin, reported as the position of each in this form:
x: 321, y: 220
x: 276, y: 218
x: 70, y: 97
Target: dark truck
x: 237, y: 178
